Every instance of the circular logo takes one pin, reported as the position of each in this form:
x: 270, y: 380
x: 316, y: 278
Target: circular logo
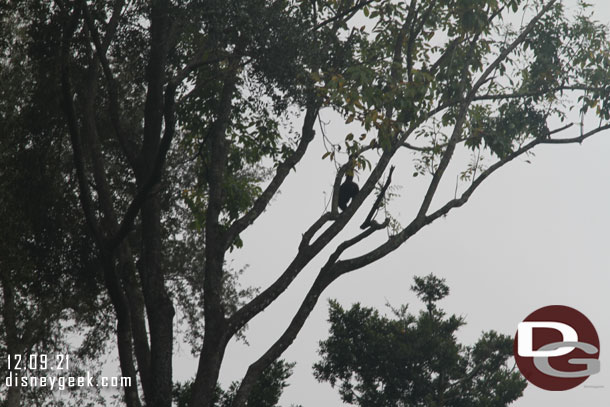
x: 556, y: 348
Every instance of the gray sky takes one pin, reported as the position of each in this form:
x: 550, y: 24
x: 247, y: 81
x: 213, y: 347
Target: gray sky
x: 533, y: 235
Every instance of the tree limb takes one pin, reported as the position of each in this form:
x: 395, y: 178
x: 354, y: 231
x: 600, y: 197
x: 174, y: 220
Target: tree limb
x: 519, y: 95
x: 325, y: 277
x: 522, y: 36
x: 101, y: 49
x: 154, y: 178
x: 418, y: 223
x: 460, y: 119
x: 280, y: 175
x: 380, y: 196
x: 75, y: 136
x: 339, y: 16
x: 307, y: 251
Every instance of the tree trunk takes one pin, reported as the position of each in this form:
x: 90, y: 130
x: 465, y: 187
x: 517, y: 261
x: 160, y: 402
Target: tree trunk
x: 124, y: 343
x: 159, y: 307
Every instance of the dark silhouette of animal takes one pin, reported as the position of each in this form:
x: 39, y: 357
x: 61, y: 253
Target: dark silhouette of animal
x: 347, y: 191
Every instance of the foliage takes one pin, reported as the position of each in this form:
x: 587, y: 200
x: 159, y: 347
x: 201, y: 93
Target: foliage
x: 266, y: 392
x: 50, y: 290
x: 413, y: 360
x: 172, y: 125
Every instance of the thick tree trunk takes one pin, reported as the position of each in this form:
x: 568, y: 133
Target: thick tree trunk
x: 124, y: 343
x: 154, y: 362
x: 135, y: 299
x: 159, y: 307
x: 216, y: 330
x: 213, y: 351
x: 214, y: 341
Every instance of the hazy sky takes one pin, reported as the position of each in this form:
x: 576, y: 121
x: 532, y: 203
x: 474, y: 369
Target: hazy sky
x: 533, y: 235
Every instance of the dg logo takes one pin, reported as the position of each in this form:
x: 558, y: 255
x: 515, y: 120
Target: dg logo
x: 557, y: 348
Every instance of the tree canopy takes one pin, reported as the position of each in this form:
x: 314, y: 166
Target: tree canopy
x: 182, y: 119
x: 413, y: 360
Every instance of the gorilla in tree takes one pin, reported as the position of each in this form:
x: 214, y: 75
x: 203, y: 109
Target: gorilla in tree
x: 347, y: 191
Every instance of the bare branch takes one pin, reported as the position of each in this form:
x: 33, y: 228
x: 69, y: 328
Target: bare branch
x: 444, y: 163
x: 464, y: 139
x: 325, y: 277
x: 336, y: 186
x: 313, y: 229
x: 380, y: 196
x: 520, y: 95
x: 451, y: 47
x: 416, y: 148
x: 373, y: 227
x: 573, y: 140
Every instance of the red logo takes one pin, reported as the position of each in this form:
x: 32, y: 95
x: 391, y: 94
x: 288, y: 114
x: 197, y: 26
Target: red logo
x: 556, y: 348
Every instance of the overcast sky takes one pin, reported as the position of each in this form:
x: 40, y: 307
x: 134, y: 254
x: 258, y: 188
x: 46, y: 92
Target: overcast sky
x: 533, y: 235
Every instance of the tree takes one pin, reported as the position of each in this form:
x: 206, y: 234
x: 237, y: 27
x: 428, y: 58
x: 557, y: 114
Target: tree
x: 266, y: 392
x: 46, y: 294
x: 48, y: 287
x: 179, y: 119
x: 415, y: 360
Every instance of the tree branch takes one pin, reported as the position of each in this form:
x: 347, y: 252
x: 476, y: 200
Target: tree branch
x: 380, y: 196
x: 528, y: 29
x: 307, y: 251
x: 282, y: 172
x: 334, y: 205
x: 460, y: 119
x: 313, y: 229
x: 75, y: 136
x: 518, y: 95
x: 325, y: 277
x: 414, y: 33
x: 339, y: 16
x: 101, y: 49
x: 154, y: 178
x: 418, y: 223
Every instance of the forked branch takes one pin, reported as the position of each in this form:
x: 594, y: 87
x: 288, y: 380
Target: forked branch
x: 418, y: 223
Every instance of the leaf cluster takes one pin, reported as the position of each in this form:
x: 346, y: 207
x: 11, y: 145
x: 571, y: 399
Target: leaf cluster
x: 266, y: 391
x: 411, y: 360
